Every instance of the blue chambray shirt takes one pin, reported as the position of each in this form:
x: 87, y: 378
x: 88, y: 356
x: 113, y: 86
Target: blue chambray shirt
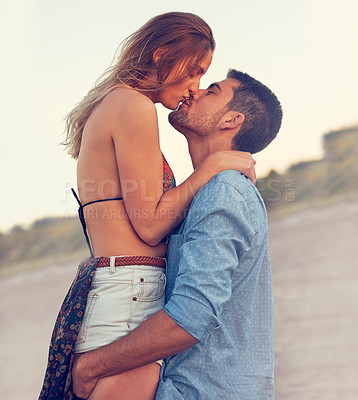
x: 219, y: 289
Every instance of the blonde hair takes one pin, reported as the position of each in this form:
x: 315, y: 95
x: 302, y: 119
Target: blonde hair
x: 185, y: 40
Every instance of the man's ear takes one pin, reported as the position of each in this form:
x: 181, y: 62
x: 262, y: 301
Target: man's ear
x: 232, y: 120
x: 158, y: 54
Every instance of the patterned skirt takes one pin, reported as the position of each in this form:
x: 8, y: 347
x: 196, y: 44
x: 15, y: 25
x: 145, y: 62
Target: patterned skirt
x: 58, y: 382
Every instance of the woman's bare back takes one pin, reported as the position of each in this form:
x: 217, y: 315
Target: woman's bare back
x: 98, y: 176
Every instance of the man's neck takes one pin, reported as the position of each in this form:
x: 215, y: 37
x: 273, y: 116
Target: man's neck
x: 201, y: 148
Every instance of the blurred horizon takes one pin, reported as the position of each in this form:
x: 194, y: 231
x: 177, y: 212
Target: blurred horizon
x: 344, y: 149
x: 68, y: 197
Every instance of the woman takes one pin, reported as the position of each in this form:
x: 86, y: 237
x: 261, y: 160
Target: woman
x: 127, y: 194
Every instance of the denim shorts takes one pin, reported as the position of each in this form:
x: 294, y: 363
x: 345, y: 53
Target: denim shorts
x: 119, y: 300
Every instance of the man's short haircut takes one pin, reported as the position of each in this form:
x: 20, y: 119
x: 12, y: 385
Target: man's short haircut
x: 262, y: 111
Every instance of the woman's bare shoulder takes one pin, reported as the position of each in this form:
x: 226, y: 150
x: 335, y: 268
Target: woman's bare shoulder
x: 127, y: 113
x: 127, y: 100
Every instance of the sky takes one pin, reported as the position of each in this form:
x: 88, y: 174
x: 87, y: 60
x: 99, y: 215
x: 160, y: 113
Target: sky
x: 54, y: 50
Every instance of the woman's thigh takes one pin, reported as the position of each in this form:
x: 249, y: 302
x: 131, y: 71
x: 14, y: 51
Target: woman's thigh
x: 137, y: 384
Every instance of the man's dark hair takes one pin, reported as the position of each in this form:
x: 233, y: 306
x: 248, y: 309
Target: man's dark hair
x: 262, y: 111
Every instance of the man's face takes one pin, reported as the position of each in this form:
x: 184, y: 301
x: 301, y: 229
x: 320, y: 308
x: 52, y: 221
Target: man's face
x: 203, y: 116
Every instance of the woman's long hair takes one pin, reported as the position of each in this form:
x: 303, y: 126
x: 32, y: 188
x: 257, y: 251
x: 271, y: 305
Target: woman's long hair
x: 185, y: 40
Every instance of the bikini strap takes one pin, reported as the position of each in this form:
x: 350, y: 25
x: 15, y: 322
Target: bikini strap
x: 168, y: 183
x: 82, y: 220
x: 99, y: 201
x: 82, y: 217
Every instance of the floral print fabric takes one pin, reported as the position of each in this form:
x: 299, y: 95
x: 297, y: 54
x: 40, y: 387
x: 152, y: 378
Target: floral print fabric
x: 57, y: 383
x: 168, y: 176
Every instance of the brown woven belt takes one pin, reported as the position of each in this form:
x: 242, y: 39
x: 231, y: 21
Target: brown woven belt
x: 122, y: 261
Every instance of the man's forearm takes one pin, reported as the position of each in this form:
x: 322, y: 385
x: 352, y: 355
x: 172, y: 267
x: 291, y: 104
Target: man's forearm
x: 156, y: 338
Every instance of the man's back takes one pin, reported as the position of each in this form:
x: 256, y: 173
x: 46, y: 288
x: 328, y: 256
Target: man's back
x: 219, y: 290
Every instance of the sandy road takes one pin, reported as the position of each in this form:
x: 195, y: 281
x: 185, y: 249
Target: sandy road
x: 315, y: 270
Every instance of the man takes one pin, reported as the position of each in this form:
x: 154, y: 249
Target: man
x: 216, y: 329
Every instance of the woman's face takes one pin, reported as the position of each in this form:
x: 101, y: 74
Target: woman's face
x: 171, y: 96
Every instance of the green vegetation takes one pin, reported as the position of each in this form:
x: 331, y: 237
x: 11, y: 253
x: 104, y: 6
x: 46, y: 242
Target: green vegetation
x: 332, y: 179
x: 316, y: 183
x: 48, y: 240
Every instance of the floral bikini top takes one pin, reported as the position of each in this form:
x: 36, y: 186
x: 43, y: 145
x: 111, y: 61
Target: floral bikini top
x: 168, y: 183
x: 168, y: 176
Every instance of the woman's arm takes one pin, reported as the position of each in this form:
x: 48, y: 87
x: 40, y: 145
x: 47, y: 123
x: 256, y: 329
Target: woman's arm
x: 140, y: 166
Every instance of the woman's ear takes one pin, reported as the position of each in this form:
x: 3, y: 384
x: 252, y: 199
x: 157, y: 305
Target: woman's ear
x: 158, y: 54
x: 232, y: 120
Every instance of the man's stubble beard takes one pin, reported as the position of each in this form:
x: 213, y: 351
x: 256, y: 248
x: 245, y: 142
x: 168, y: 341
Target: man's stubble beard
x: 178, y: 120
x: 201, y: 126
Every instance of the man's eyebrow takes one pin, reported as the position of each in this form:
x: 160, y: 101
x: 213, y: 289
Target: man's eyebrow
x: 215, y: 85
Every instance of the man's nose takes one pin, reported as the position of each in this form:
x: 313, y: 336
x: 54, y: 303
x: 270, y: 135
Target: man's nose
x: 194, y: 95
x: 201, y: 92
x: 194, y: 90
x: 197, y: 94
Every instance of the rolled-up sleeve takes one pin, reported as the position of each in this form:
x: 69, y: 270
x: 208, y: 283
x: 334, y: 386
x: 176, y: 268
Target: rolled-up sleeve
x: 217, y: 234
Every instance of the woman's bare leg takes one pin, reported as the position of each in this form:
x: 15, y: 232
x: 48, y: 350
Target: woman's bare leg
x: 137, y: 384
